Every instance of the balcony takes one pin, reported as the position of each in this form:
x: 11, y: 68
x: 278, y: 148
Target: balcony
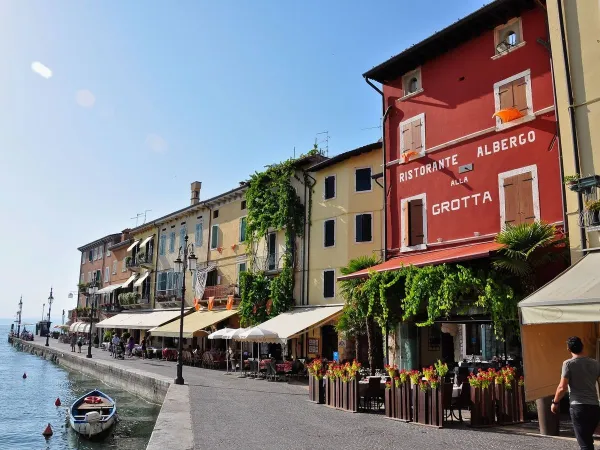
x: 110, y: 308
x: 139, y: 260
x: 219, y: 292
x: 168, y: 298
x: 271, y: 262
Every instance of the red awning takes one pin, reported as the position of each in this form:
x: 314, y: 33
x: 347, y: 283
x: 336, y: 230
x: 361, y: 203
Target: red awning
x: 445, y: 255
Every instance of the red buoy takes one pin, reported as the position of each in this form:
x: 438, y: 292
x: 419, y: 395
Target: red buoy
x: 48, y: 431
x: 24, y: 375
x: 57, y: 402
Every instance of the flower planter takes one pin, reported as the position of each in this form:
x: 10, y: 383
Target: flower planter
x: 338, y: 393
x: 423, y: 406
x: 436, y: 405
x: 403, y: 402
x: 416, y: 403
x: 316, y: 390
x: 482, y: 406
x: 390, y: 402
x: 348, y: 395
x: 329, y: 392
x: 520, y: 406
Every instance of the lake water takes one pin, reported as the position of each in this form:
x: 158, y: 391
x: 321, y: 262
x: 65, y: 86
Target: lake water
x: 27, y: 406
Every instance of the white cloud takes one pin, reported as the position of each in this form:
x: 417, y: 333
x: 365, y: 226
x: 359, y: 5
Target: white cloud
x: 85, y: 98
x: 42, y: 70
x: 156, y: 143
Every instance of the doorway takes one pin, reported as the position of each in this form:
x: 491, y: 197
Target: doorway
x: 329, y: 339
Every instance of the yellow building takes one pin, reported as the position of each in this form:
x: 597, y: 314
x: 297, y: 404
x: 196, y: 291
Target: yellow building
x: 576, y: 69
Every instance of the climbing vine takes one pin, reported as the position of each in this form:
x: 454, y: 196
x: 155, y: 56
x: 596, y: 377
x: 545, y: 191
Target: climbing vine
x: 273, y: 205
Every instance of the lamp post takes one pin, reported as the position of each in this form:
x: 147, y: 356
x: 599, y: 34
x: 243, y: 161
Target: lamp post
x: 50, y: 300
x: 189, y: 261
x: 43, y: 310
x: 92, y: 289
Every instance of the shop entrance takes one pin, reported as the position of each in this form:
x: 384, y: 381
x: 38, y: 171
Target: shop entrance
x: 329, y: 338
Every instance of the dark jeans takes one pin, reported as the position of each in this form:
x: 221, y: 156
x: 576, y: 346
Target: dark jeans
x: 585, y: 420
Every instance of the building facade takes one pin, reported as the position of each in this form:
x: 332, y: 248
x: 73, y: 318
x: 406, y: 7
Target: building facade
x: 470, y: 147
x: 576, y: 71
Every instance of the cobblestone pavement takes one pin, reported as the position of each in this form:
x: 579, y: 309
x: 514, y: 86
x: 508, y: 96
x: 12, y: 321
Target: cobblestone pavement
x: 229, y: 412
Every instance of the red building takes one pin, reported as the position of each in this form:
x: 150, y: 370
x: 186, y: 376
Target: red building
x: 455, y: 175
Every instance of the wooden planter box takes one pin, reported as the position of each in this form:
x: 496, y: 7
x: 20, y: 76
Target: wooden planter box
x: 330, y: 392
x: 398, y: 402
x: 390, y: 402
x: 482, y: 406
x: 436, y: 406
x: 520, y: 406
x: 316, y: 390
x: 349, y: 395
x: 338, y: 394
x: 510, y: 404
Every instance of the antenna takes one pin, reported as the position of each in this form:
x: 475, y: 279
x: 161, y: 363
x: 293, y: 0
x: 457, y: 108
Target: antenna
x: 137, y: 218
x: 145, y: 212
x: 325, y: 140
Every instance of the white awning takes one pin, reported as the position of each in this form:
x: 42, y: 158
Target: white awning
x: 194, y: 323
x: 109, y: 289
x: 139, y: 321
x: 573, y: 296
x: 145, y: 241
x: 291, y: 323
x: 79, y: 327
x: 132, y: 246
x: 141, y: 279
x: 129, y: 280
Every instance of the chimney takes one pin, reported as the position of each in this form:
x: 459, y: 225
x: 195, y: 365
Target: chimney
x: 196, y: 185
x: 125, y: 234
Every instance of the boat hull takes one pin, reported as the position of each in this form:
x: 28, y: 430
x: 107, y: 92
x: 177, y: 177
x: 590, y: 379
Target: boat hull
x: 93, y: 430
x: 93, y: 419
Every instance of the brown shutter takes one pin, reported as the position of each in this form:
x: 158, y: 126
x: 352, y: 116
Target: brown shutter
x: 520, y: 95
x: 505, y: 93
x: 407, y: 137
x: 416, y: 127
x: 511, y: 200
x: 526, y: 212
x: 405, y: 225
x: 416, y: 222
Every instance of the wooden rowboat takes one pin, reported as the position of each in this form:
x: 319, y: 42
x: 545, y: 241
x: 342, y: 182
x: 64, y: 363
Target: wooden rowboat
x: 93, y: 414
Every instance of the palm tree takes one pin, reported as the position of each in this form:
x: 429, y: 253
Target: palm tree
x: 527, y: 247
x: 355, y: 319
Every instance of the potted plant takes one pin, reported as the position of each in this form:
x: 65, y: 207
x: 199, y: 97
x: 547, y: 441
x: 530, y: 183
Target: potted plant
x: 128, y: 261
x: 141, y: 257
x: 316, y: 390
x: 593, y: 207
x: 570, y: 180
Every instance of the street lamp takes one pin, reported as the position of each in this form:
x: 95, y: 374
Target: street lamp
x: 92, y: 290
x: 43, y: 310
x: 50, y: 300
x: 181, y: 266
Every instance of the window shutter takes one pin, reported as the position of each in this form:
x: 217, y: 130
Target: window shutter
x: 359, y: 228
x: 198, y: 236
x: 520, y: 95
x: 243, y: 229
x: 172, y: 242
x: 329, y: 233
x: 511, y: 200
x: 367, y: 227
x: 170, y: 280
x: 416, y: 128
x: 106, y: 274
x: 405, y: 225
x: 328, y: 283
x: 182, y: 233
x: 526, y: 211
x: 417, y: 235
x: 214, y: 238
x: 406, y: 133
x: 505, y: 93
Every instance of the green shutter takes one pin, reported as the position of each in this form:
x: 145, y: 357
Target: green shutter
x: 214, y: 237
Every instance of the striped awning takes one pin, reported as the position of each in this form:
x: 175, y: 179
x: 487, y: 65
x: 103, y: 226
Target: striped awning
x: 79, y: 327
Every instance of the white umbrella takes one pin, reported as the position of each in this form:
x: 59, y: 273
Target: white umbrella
x: 234, y: 335
x: 222, y: 334
x: 258, y: 334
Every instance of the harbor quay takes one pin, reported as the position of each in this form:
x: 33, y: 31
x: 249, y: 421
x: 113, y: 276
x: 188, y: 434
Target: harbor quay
x: 217, y: 411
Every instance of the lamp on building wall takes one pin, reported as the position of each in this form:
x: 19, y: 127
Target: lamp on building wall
x: 92, y: 291
x: 185, y: 260
x: 50, y: 300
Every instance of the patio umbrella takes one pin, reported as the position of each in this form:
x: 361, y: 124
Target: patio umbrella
x: 222, y: 334
x: 259, y: 334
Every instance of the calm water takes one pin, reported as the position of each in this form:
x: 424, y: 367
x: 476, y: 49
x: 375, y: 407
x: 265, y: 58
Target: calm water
x: 27, y: 406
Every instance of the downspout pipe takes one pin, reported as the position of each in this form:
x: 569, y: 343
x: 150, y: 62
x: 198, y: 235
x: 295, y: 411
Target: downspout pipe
x: 561, y: 21
x: 307, y: 233
x: 385, y: 115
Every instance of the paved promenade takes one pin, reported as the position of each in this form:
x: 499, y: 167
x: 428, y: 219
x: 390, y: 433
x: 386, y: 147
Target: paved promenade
x: 229, y: 412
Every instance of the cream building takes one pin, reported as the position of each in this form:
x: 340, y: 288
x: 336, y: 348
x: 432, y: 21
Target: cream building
x: 576, y: 70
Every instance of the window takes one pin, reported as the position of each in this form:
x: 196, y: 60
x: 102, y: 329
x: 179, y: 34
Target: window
x: 329, y: 233
x: 241, y: 268
x: 363, y: 179
x: 124, y: 266
x: 329, y: 187
x: 329, y: 283
x: 411, y: 82
x: 519, y: 196
x: 414, y: 223
x: 412, y: 138
x: 114, y: 267
x: 514, y: 92
x: 364, y: 227
x: 106, y: 274
x: 182, y: 234
x: 89, y: 277
x: 472, y: 339
x: 243, y: 229
x: 107, y: 250
x: 215, y: 213
x: 172, y: 242
x: 82, y: 278
x: 100, y: 252
x: 243, y: 207
x: 198, y: 235
x: 90, y: 256
x: 508, y: 37
x: 214, y: 237
x: 83, y: 257
x: 162, y: 244
x: 95, y: 254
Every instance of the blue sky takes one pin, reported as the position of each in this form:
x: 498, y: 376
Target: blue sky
x: 148, y: 96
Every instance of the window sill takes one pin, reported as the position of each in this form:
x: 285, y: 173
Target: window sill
x: 594, y: 228
x: 514, y: 123
x: 363, y: 192
x: 412, y: 94
x: 510, y: 50
x: 413, y: 248
x: 364, y: 242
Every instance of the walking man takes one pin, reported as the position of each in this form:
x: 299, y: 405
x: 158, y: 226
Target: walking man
x: 73, y: 342
x: 579, y: 377
x: 115, y: 342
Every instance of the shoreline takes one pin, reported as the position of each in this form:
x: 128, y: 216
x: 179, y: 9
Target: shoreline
x: 174, y: 422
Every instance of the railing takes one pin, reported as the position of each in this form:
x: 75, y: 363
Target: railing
x: 139, y: 259
x: 221, y: 291
x: 168, y: 295
x: 270, y: 262
x: 110, y: 308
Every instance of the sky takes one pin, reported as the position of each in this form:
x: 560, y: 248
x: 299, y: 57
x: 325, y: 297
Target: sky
x: 111, y: 108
